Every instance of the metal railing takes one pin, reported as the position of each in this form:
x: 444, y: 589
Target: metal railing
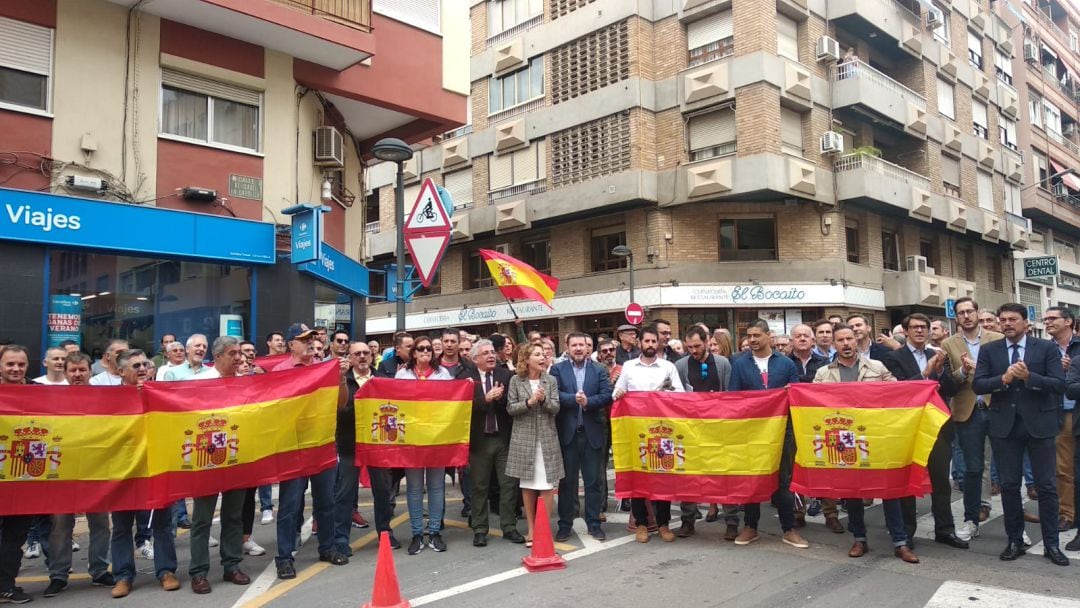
x: 514, y: 31
x: 1068, y: 199
x: 371, y: 227
x: 858, y: 69
x: 882, y: 167
x: 458, y: 132
x: 1049, y: 23
x: 353, y: 13
x: 1062, y: 140
x: 534, y: 187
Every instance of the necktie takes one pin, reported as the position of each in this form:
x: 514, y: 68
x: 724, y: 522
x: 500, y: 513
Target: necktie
x: 491, y: 423
x: 1015, y: 354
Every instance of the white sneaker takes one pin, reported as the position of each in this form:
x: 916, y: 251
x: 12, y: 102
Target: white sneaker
x: 1027, y: 540
x: 252, y: 548
x: 213, y: 542
x: 146, y: 551
x: 267, y: 517
x: 75, y: 546
x: 967, y: 531
x: 33, y: 550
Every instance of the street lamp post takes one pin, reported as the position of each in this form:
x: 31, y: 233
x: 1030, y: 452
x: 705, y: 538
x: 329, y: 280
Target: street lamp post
x: 394, y: 150
x: 623, y: 251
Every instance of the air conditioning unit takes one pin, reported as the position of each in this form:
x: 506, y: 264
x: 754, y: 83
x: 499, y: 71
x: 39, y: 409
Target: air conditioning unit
x: 329, y: 147
x: 916, y: 263
x: 1070, y: 129
x: 934, y: 17
x: 828, y: 50
x: 1031, y: 52
x: 832, y: 143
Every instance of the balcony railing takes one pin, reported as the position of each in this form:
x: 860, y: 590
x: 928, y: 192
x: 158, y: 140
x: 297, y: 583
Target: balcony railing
x: 1068, y: 199
x: 884, y: 168
x: 458, y: 132
x: 514, y: 31
x: 534, y: 187
x: 863, y: 71
x: 1049, y: 24
x: 371, y: 227
x: 521, y: 108
x: 1062, y: 140
x: 352, y: 13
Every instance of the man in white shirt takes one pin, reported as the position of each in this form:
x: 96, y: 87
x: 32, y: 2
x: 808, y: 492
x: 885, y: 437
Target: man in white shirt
x: 111, y: 375
x: 194, y: 369
x: 649, y: 373
x: 53, y: 364
x: 174, y: 357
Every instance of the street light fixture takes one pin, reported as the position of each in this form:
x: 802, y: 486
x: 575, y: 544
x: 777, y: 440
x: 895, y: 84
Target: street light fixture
x: 623, y: 251
x: 392, y: 149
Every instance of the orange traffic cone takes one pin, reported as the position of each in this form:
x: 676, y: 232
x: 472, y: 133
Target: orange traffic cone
x: 386, y: 593
x: 543, y: 557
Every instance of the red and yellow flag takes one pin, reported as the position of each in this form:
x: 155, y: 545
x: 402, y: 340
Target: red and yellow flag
x: 698, y: 447
x: 413, y: 423
x: 866, y: 439
x: 518, y: 280
x: 91, y: 448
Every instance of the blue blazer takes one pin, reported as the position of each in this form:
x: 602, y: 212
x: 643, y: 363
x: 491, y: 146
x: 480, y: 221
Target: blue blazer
x: 746, y: 377
x: 597, y: 389
x: 1037, y: 401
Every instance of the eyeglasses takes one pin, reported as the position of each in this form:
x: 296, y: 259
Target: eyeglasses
x: 139, y: 365
x: 607, y: 350
x: 1049, y: 319
x: 340, y: 341
x: 423, y: 349
x: 363, y: 353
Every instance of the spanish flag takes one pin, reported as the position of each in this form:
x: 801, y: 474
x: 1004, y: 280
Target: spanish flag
x: 518, y: 280
x: 413, y: 423
x: 866, y: 439
x: 93, y: 448
x: 699, y: 447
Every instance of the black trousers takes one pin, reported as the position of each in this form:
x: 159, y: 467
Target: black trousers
x: 1009, y: 454
x: 382, y: 484
x: 662, y: 509
x: 13, y: 530
x: 937, y: 465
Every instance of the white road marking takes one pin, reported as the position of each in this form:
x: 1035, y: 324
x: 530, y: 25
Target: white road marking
x: 260, y: 584
x: 925, y: 523
x: 955, y: 594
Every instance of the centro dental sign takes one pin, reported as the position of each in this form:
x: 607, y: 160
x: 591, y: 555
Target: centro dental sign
x: 79, y: 223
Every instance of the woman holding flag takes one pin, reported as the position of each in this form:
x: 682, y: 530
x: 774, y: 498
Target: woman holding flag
x: 535, y: 457
x: 419, y: 367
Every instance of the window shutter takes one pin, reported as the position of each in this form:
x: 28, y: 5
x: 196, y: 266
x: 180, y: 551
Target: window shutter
x: 950, y: 170
x: 787, y: 37
x: 500, y: 172
x: 945, y: 99
x: 713, y: 28
x: 1003, y: 61
x: 974, y: 43
x: 411, y: 192
x: 213, y: 88
x: 25, y: 46
x: 525, y: 165
x: 791, y: 129
x: 978, y: 113
x: 986, y: 190
x: 712, y: 129
x: 459, y: 185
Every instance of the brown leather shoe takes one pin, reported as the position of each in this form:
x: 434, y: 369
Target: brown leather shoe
x: 200, y: 585
x: 641, y: 535
x: 686, y: 530
x: 713, y: 514
x: 858, y: 549
x: 237, y: 577
x: 666, y: 534
x: 1031, y: 517
x: 906, y: 554
x: 984, y: 513
x: 747, y: 536
x: 732, y: 532
x: 121, y: 589
x: 169, y: 582
x: 832, y: 523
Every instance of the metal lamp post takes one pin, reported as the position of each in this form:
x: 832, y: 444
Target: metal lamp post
x: 623, y: 251
x: 394, y: 150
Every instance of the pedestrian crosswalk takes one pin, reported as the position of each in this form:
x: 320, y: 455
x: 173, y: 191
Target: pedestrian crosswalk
x: 925, y: 523
x: 957, y: 594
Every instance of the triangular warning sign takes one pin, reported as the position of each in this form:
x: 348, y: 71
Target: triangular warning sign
x: 427, y: 214
x: 427, y: 251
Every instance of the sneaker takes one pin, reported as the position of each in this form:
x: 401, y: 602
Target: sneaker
x: 793, y: 538
x: 145, y: 551
x: 813, y: 508
x: 214, y: 542
x: 437, y: 544
x: 358, y: 520
x: 286, y: 571
x: 55, y: 587
x: 252, y: 548
x: 417, y: 544
x: 967, y: 531
x: 267, y: 517
x: 394, y: 542
x: 105, y: 580
x: 1074, y: 544
x: 747, y: 536
x: 1027, y: 540
x: 33, y: 550
x: 14, y: 595
x: 74, y: 546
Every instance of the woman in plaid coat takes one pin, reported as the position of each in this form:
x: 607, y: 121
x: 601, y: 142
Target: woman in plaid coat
x: 535, y: 457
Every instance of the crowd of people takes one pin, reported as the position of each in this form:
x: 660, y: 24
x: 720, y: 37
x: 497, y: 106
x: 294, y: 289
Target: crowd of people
x: 540, y: 427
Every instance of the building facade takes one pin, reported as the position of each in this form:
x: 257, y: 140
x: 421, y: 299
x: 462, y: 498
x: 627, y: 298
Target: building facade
x: 778, y: 158
x: 150, y: 149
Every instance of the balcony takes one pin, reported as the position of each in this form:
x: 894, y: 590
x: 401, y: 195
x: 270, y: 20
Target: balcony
x: 872, y: 179
x: 857, y: 83
x: 371, y: 227
x: 1046, y: 22
x: 331, y: 33
x: 533, y: 187
x: 888, y: 16
x: 1062, y: 141
x: 1060, y: 211
x: 913, y: 288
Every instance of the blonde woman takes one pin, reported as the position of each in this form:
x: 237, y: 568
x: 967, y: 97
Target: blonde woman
x: 535, y: 457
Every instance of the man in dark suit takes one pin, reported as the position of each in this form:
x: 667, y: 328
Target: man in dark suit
x: 489, y: 444
x: 1025, y: 377
x: 864, y: 336
x: 584, y: 392
x: 916, y: 360
x: 402, y: 352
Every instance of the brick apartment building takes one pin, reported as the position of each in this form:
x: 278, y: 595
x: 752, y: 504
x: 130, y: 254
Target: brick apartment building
x: 750, y: 167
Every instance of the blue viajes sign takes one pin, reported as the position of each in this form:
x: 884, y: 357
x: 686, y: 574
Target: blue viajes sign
x: 341, y: 271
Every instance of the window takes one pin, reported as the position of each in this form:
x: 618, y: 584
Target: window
x: 941, y: 32
x: 791, y: 132
x: 537, y: 254
x: 993, y: 271
x: 975, y: 56
x: 946, y: 99
x: 965, y: 263
x: 199, y: 109
x: 710, y: 38
x: 371, y: 211
x: 1007, y: 131
x: 1065, y: 250
x: 505, y: 14
x: 748, y: 239
x: 1039, y: 168
x: 517, y: 87
x: 851, y: 234
x: 26, y: 53
x: 890, y: 250
x: 477, y: 274
x: 929, y: 250
x: 979, y: 124
x: 1012, y: 199
x: 524, y: 166
x: 985, y: 183
x: 712, y: 134
x: 1074, y: 41
x: 950, y: 175
x: 1003, y: 67
x: 1035, y: 108
x: 787, y: 37
x: 1052, y: 117
x: 459, y: 185
x: 601, y: 242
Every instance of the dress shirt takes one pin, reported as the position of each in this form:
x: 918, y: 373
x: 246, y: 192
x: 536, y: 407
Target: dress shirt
x: 638, y: 376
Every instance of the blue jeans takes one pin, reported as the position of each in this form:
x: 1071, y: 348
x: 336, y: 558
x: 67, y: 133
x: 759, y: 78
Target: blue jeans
x: 957, y: 461
x: 60, y: 538
x: 972, y: 434
x: 894, y: 520
x: 345, y: 487
x: 142, y: 528
x: 266, y: 498
x: 290, y: 512
x: 123, y: 545
x: 180, y: 511
x: 436, y: 491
